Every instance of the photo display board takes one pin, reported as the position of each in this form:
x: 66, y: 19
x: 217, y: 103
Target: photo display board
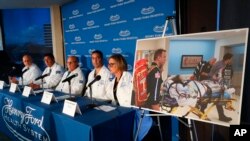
x: 167, y: 77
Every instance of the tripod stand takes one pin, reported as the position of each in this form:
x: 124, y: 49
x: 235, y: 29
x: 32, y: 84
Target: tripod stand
x: 171, y: 20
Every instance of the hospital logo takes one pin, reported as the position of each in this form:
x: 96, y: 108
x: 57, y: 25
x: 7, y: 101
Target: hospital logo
x: 158, y: 28
x: 130, y: 67
x: 73, y: 51
x: 26, y: 120
x: 72, y: 26
x: 78, y: 38
x: 146, y: 11
x: 116, y: 50
x: 91, y: 50
x: 114, y: 17
x: 124, y: 33
x: 90, y: 23
x: 98, y: 36
x: 75, y: 12
x: 95, y: 6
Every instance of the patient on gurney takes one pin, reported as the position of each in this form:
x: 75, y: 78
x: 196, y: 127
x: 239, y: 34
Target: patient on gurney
x: 196, y: 94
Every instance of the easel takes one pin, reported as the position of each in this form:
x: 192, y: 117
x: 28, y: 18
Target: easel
x: 170, y: 19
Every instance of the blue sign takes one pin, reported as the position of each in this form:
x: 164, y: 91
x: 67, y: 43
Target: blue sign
x: 112, y: 26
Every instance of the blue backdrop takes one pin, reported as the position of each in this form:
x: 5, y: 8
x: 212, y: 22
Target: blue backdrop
x: 112, y: 26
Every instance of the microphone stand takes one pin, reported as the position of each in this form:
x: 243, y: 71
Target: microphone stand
x: 92, y: 104
x: 42, y: 85
x: 22, y: 81
x: 70, y: 95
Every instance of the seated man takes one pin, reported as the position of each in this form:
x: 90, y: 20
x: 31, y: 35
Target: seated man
x: 98, y: 88
x: 73, y: 80
x: 51, y: 75
x: 29, y: 73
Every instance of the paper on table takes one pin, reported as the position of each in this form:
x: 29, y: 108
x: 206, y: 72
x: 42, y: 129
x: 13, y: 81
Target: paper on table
x: 105, y: 108
x: 62, y: 97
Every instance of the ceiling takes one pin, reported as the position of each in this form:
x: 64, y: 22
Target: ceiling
x: 15, y: 4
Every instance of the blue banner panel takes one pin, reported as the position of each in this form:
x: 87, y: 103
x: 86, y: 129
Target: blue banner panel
x: 112, y: 26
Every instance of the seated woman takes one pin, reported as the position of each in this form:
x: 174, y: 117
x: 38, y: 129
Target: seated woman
x: 119, y: 90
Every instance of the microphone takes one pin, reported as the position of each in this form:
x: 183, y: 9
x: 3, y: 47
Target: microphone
x: 69, y: 78
x: 12, y: 71
x: 97, y: 78
x: 42, y: 76
x: 25, y: 71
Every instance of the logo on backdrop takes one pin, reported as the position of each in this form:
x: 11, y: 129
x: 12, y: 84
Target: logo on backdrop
x: 148, y: 13
x: 91, y: 50
x: 125, y: 35
x: 18, y: 121
x: 72, y: 28
x: 95, y: 8
x: 90, y: 25
x: 114, y: 20
x: 130, y: 67
x: 157, y: 29
x: 89, y: 53
x: 78, y: 40
x: 98, y: 39
x: 98, y: 36
x: 73, y: 51
x: 76, y: 14
x: 122, y: 3
x: 116, y: 50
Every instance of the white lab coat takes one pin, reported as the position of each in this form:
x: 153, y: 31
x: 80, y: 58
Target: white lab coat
x: 30, y: 75
x: 124, y: 90
x: 55, y: 75
x: 99, y: 87
x: 77, y: 83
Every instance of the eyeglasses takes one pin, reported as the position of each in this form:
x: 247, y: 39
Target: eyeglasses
x: 111, y: 64
x: 71, y: 62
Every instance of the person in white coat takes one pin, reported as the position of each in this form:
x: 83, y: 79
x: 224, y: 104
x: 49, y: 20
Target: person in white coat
x: 77, y: 80
x: 99, y: 87
x: 51, y: 75
x: 29, y: 73
x: 119, y: 89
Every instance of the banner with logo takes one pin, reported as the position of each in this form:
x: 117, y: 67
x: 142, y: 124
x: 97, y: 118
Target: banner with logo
x: 23, y: 121
x: 112, y: 26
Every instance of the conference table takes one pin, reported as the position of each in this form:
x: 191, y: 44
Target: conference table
x: 27, y: 118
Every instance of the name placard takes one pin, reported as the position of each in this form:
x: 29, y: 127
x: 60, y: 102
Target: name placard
x: 27, y: 91
x: 70, y: 108
x: 2, y: 84
x: 48, y: 97
x: 13, y: 88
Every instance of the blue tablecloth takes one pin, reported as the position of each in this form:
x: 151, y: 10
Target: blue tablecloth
x: 95, y: 125
x: 28, y: 119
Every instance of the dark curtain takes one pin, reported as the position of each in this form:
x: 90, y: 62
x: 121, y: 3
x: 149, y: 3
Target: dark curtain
x: 235, y: 14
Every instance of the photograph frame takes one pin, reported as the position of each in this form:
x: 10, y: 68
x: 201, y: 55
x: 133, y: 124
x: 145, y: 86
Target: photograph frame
x: 190, y: 61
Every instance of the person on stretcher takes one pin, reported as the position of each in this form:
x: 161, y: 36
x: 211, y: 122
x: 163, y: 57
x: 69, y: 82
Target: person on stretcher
x: 191, y: 92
